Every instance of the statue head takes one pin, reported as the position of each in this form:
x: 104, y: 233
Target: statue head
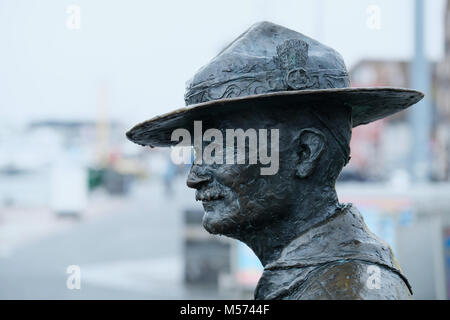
x: 292, y: 93
x: 312, y: 148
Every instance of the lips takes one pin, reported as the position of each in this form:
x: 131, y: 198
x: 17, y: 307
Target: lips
x: 208, y: 196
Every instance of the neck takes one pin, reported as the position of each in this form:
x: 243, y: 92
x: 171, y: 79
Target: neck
x: 311, y: 208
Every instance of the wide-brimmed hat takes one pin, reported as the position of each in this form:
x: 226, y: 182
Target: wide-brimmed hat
x: 269, y: 65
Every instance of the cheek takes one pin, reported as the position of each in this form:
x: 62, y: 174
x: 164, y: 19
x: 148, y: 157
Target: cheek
x: 251, y: 197
x: 242, y: 183
x: 237, y: 176
x: 268, y: 198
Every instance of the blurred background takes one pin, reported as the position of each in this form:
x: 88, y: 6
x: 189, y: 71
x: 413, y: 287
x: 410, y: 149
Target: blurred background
x: 75, y: 75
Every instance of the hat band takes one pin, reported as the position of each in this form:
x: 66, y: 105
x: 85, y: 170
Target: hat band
x: 265, y: 82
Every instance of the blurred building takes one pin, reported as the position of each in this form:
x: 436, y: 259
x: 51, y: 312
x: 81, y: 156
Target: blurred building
x: 82, y: 135
x: 380, y: 151
x: 442, y: 137
x: 33, y: 156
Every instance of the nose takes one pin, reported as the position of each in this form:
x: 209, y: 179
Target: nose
x: 196, y: 178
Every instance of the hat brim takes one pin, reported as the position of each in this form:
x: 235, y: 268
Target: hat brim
x: 368, y: 105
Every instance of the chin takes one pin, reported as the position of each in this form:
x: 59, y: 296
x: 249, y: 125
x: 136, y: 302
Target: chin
x: 216, y: 222
x: 213, y: 224
x: 211, y: 227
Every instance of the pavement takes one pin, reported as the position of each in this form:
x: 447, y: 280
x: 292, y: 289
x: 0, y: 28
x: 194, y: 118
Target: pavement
x: 126, y: 248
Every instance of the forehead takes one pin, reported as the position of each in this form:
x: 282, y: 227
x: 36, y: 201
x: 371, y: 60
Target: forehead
x: 276, y: 114
x: 235, y: 131
x: 251, y: 120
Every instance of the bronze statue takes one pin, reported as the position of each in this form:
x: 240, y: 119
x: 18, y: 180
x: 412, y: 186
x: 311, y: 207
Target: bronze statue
x: 311, y: 246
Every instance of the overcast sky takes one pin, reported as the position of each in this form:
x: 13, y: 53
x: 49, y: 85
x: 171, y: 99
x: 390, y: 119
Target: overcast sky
x: 143, y: 52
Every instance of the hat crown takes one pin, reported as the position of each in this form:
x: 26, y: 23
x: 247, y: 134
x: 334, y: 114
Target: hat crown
x: 267, y: 58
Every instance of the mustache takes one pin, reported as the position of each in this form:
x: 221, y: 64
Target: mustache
x: 210, y: 193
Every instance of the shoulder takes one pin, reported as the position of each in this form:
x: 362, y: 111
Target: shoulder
x: 352, y: 280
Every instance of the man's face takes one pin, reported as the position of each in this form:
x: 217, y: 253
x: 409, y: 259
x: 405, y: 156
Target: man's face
x: 236, y: 197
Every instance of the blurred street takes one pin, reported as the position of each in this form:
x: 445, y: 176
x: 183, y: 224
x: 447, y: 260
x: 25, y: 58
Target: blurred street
x: 125, y: 253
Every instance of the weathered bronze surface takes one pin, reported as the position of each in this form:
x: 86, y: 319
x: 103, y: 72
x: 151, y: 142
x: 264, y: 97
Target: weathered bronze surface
x: 311, y: 246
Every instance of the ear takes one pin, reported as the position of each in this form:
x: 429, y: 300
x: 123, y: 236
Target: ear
x: 311, y: 143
